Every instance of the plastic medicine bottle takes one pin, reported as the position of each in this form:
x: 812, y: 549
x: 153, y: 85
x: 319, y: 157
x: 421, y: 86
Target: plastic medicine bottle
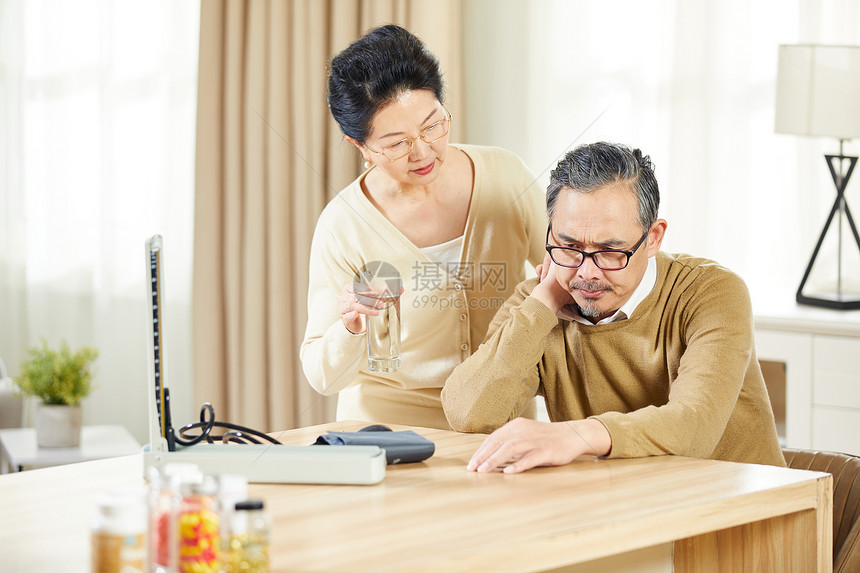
x: 119, y: 534
x: 198, y: 527
x: 249, y: 538
x: 165, y: 485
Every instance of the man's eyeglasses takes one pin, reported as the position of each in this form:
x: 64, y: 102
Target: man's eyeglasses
x: 430, y: 134
x: 606, y: 259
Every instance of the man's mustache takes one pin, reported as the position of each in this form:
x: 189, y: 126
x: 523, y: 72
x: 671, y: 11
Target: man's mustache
x: 589, y: 285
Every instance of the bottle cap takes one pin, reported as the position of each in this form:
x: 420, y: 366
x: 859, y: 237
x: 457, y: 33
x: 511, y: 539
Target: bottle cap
x: 249, y: 505
x: 122, y: 510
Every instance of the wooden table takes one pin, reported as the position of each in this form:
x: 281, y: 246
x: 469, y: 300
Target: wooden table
x: 435, y: 516
x: 20, y: 449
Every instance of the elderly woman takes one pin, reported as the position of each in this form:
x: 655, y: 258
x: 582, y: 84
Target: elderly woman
x: 458, y: 222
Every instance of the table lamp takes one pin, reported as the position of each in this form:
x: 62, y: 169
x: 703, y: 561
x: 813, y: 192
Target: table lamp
x: 818, y: 95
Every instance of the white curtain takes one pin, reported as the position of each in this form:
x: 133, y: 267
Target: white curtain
x: 98, y: 102
x: 690, y: 82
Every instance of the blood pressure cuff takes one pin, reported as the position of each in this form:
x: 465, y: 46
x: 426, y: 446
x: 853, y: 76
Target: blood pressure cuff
x: 401, y: 447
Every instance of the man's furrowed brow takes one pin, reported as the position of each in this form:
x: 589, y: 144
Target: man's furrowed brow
x: 607, y: 244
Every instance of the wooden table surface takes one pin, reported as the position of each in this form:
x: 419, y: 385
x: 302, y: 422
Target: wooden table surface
x: 436, y: 516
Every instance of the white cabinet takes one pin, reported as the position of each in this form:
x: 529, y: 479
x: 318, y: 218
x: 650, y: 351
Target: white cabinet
x: 820, y: 351
x: 794, y: 350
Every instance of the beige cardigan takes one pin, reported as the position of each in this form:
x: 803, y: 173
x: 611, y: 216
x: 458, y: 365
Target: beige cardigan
x: 680, y: 376
x: 444, y: 312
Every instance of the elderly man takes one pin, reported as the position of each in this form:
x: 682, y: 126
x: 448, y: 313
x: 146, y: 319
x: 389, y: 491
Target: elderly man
x: 637, y: 352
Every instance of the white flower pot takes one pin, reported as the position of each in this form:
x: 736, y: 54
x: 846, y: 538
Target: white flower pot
x: 58, y: 426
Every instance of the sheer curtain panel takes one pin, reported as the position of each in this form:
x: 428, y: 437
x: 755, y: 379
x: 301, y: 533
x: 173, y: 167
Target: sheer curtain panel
x: 96, y: 154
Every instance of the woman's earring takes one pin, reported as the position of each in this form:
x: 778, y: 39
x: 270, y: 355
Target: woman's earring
x: 367, y: 164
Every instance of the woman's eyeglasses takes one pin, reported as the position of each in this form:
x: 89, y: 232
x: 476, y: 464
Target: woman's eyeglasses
x: 430, y: 134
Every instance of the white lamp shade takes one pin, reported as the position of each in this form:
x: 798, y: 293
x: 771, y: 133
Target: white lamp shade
x: 818, y: 91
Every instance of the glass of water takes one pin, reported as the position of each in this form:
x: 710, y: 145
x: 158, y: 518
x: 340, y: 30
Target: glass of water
x: 379, y: 284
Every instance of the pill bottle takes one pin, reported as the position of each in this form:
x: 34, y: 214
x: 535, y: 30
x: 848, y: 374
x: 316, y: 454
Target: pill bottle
x: 232, y: 488
x: 249, y: 538
x: 198, y: 527
x: 164, y: 498
x: 118, y: 533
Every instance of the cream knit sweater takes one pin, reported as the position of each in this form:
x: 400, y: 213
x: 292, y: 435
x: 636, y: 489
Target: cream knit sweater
x: 445, y: 310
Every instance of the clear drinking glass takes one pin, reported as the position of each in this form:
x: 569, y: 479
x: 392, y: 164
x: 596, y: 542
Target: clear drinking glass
x: 380, y: 282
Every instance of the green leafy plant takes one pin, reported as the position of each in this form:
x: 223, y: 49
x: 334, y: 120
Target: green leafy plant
x: 58, y: 377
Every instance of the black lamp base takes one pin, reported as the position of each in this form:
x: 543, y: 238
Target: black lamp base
x: 834, y: 303
x: 838, y: 300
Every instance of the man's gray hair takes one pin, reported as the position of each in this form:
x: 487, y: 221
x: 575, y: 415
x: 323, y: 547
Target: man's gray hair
x: 595, y: 165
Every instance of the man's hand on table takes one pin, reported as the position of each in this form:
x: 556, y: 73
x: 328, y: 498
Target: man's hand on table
x: 530, y: 443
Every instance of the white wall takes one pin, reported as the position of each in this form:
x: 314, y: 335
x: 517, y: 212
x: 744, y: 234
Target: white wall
x: 691, y: 83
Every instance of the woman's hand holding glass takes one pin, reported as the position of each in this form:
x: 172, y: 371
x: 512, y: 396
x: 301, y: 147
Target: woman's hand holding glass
x: 353, y: 305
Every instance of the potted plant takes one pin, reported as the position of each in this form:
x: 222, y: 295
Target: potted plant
x: 60, y: 380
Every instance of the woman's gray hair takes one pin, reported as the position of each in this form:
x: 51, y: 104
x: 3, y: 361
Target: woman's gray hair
x: 596, y: 165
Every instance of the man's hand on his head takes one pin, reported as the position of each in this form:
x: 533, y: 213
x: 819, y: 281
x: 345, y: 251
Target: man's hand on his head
x: 543, y: 268
x: 548, y: 291
x: 529, y: 443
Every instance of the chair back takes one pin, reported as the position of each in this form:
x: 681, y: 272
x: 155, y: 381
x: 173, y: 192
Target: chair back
x: 11, y: 406
x: 845, y: 470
